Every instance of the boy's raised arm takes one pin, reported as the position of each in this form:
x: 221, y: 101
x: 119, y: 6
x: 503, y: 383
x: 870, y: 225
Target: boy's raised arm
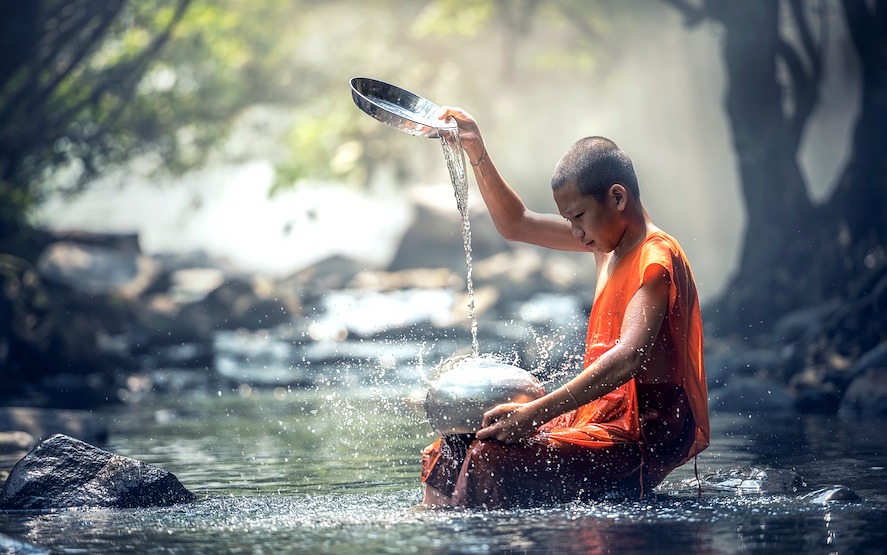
x: 512, y: 218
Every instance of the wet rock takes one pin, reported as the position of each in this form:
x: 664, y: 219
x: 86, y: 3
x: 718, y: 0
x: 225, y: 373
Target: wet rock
x: 412, y: 278
x: 434, y: 240
x: 62, y: 472
x: 77, y: 391
x: 194, y: 284
x: 753, y: 479
x: 524, y: 274
x: 15, y: 441
x: 237, y: 304
x: 831, y: 493
x: 804, y: 324
x: 748, y: 394
x: 161, y: 321
x: 42, y: 423
x: 874, y: 358
x: 368, y: 313
x: 94, y: 269
x: 13, y: 446
x: 867, y: 394
x: 121, y: 242
x: 816, y: 390
x: 728, y: 364
x: 12, y: 546
x: 334, y: 272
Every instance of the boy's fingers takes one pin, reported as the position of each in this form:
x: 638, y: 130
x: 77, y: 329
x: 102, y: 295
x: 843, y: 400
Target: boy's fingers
x: 445, y: 112
x: 486, y: 432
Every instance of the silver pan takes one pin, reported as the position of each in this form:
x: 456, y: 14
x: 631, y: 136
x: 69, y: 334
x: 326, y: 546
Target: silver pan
x: 398, y: 107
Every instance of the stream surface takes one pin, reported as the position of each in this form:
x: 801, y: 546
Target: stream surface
x: 333, y: 467
x: 335, y: 470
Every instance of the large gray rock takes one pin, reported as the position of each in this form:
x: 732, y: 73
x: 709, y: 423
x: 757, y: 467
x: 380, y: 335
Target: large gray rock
x: 63, y: 472
x: 93, y: 269
x: 434, y: 240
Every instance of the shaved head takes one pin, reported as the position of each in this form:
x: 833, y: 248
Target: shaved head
x: 595, y: 164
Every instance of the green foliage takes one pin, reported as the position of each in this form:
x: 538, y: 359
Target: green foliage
x: 101, y: 83
x: 455, y: 17
x: 104, y: 82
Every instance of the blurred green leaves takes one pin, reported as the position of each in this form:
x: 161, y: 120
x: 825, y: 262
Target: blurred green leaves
x: 96, y: 84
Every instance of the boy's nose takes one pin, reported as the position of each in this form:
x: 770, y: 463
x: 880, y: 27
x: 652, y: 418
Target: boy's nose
x: 578, y: 232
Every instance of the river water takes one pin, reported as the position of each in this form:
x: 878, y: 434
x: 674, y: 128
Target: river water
x: 333, y: 466
x: 335, y: 470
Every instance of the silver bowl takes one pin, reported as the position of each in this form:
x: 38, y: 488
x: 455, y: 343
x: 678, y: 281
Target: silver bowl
x: 399, y: 108
x: 457, y: 400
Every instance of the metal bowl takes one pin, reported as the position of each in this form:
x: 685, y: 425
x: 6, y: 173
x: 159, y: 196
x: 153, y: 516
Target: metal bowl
x: 399, y: 108
x: 459, y: 397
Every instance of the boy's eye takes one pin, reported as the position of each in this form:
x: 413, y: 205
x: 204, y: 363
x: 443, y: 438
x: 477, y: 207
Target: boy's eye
x: 579, y: 216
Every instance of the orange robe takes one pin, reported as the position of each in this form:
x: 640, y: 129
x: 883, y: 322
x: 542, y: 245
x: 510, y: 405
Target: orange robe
x: 626, y: 441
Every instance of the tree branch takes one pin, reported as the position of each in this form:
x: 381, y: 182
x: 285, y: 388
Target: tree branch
x: 138, y: 66
x: 811, y: 49
x: 805, y: 85
x: 31, y: 92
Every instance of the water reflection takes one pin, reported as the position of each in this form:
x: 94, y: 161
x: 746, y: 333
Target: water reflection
x: 335, y: 470
x: 387, y: 521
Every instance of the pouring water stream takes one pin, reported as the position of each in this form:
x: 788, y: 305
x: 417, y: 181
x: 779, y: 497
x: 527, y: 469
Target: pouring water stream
x: 455, y: 157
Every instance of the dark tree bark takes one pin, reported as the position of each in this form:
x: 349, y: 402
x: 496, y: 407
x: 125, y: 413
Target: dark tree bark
x: 796, y: 253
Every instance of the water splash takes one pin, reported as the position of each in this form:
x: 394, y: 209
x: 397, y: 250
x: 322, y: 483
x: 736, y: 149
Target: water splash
x: 455, y: 157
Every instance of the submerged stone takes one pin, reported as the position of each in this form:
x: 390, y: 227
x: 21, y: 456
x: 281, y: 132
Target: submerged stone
x: 755, y: 479
x: 63, y: 472
x: 831, y: 493
x: 13, y: 546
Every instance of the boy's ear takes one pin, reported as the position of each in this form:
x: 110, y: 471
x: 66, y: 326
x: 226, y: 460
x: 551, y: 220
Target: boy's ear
x: 619, y: 195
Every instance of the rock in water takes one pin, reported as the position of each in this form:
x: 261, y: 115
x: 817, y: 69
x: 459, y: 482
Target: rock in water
x: 831, y: 493
x: 63, y: 472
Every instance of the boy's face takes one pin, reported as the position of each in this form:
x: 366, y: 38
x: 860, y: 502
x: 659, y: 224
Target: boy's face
x: 599, y: 225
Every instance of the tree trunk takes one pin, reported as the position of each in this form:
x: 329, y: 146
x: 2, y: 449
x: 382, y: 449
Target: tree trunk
x: 766, y: 144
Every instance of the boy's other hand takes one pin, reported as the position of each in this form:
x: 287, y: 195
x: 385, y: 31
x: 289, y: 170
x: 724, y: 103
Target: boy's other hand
x: 508, y: 423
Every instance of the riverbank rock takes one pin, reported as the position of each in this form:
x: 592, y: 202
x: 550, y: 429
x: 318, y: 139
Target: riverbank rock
x: 63, y: 472
x: 11, y: 442
x: 752, y: 395
x: 13, y: 446
x: 434, y: 239
x: 98, y: 270
x: 727, y: 363
x: 867, y: 395
x: 43, y: 423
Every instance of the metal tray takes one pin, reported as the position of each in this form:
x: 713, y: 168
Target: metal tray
x: 399, y: 108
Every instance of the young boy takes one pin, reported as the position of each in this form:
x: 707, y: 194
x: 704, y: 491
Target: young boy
x: 639, y: 407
